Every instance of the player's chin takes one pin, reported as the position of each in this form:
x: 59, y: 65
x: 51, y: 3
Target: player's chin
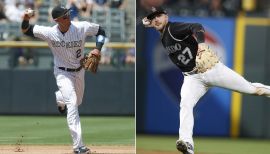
x: 159, y: 27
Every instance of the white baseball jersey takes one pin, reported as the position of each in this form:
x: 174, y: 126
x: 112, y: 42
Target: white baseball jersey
x: 67, y: 48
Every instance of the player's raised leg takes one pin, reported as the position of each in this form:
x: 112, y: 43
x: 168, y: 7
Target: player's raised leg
x: 261, y: 89
x: 224, y: 77
x: 192, y: 90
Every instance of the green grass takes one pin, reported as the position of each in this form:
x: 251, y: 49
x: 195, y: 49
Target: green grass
x: 205, y: 145
x: 54, y: 130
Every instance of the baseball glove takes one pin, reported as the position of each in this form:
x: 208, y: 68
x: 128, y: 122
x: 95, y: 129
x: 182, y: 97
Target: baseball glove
x: 206, y: 58
x: 91, y: 61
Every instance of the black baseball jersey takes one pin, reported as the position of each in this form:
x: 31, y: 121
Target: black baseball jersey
x: 180, y: 43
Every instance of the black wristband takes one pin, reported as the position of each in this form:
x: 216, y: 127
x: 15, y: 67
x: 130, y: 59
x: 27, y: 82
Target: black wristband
x: 25, y: 24
x: 99, y: 45
x: 29, y: 31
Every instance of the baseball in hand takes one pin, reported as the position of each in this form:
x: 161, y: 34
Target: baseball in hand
x: 30, y: 12
x: 146, y: 22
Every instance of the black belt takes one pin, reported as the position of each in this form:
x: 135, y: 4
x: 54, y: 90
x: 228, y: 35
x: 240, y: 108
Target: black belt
x: 195, y: 71
x: 71, y: 69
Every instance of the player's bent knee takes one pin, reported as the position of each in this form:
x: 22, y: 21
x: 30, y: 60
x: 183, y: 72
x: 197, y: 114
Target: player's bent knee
x: 60, y: 103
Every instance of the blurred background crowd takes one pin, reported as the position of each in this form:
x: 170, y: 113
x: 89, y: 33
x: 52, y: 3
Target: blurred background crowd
x: 116, y: 16
x: 207, y: 8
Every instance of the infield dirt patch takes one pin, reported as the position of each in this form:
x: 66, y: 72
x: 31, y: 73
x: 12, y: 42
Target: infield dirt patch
x: 142, y: 151
x: 64, y: 149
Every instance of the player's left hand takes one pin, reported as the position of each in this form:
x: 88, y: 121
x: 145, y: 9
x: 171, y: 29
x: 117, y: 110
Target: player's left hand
x: 91, y: 61
x: 202, y: 47
x: 206, y: 58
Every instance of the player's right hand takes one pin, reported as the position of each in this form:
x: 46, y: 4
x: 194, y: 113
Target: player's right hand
x: 146, y: 22
x: 28, y: 13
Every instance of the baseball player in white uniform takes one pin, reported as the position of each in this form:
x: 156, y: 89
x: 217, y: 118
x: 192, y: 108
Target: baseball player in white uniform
x: 66, y: 40
x: 201, y: 68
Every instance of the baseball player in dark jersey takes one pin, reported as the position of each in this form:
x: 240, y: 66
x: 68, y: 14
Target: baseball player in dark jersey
x: 184, y: 43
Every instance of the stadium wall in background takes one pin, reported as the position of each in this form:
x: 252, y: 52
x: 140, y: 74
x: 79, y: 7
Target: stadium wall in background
x: 32, y: 92
x: 254, y: 115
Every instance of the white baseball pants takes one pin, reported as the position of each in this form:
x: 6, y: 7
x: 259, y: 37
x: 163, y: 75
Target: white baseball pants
x: 71, y: 90
x: 196, y: 85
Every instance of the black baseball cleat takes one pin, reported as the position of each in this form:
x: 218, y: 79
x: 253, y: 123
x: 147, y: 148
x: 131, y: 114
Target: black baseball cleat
x: 184, y: 147
x: 82, y: 150
x: 62, y: 110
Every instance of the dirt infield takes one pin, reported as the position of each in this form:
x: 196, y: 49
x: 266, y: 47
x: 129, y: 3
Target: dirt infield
x: 64, y: 149
x: 141, y: 151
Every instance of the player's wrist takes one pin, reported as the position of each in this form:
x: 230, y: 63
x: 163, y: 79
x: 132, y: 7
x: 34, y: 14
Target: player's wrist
x: 146, y: 22
x: 95, y: 52
x: 202, y: 43
x: 26, y: 17
x: 202, y: 46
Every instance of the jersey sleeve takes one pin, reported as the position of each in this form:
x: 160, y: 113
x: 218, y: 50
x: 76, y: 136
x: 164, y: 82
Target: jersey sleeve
x: 91, y: 29
x: 186, y: 28
x: 41, y: 32
x: 196, y: 27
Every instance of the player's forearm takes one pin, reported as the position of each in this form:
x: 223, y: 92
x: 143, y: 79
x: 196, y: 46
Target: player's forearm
x: 25, y: 23
x: 100, y: 38
x: 27, y: 28
x: 199, y: 36
x: 198, y: 32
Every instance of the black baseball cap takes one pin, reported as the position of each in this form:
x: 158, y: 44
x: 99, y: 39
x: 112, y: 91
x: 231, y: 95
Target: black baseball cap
x: 59, y: 11
x: 155, y: 11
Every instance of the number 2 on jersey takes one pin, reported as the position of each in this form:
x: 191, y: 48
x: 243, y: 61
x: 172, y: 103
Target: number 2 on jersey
x: 78, y: 53
x: 185, y: 59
